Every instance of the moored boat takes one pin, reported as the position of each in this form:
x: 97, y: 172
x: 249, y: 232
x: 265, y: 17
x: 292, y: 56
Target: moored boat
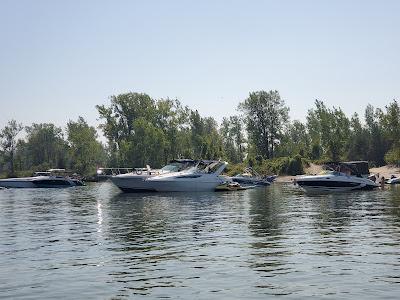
x: 203, y: 177
x: 251, y: 177
x: 53, y: 178
x: 339, y: 177
x: 393, y: 180
x: 135, y: 181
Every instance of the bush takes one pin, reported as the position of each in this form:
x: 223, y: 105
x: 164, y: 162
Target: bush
x: 295, y: 166
x: 233, y: 169
x: 392, y: 157
x: 284, y: 166
x: 277, y: 166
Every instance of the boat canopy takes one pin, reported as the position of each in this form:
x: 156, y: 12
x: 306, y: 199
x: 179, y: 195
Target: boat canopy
x: 356, y: 168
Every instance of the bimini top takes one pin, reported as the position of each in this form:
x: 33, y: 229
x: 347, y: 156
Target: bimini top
x: 356, y: 168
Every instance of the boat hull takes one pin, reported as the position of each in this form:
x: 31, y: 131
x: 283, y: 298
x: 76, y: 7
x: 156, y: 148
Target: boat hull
x: 5, y: 183
x: 186, y: 182
x: 315, y: 184
x: 184, y: 186
x: 393, y: 181
x: 37, y: 182
x: 250, y: 181
x: 132, y: 184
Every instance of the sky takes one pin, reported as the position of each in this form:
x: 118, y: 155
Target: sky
x: 59, y: 59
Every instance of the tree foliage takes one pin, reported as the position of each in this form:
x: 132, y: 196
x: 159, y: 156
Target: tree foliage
x: 141, y: 130
x: 233, y: 139
x: 330, y: 128
x: 8, y: 141
x: 265, y: 114
x: 86, y: 152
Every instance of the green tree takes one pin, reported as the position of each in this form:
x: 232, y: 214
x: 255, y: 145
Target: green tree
x: 295, y: 140
x: 119, y: 120
x: 330, y: 128
x: 265, y: 114
x: 148, y: 144
x: 86, y: 151
x: 47, y: 147
x: 205, y: 138
x: 358, y: 141
x: 143, y: 130
x: 173, y: 119
x: 377, y: 144
x: 390, y: 126
x: 8, y: 141
x: 233, y: 139
x: 390, y: 121
x: 23, y: 159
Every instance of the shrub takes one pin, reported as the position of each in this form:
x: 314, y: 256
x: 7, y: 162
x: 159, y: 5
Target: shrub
x: 295, y: 166
x: 233, y: 169
x: 392, y: 157
x: 279, y: 166
x: 284, y: 166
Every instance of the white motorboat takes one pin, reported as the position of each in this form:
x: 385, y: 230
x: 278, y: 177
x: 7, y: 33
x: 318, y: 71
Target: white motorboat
x: 49, y: 179
x: 203, y: 177
x: 393, y: 180
x: 340, y: 177
x: 135, y: 181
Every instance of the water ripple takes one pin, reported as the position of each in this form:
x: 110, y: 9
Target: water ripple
x: 94, y: 242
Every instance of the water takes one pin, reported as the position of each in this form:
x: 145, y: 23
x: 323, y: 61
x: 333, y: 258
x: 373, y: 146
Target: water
x: 96, y: 243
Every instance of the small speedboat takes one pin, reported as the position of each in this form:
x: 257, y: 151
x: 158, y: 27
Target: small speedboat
x: 135, y: 181
x: 344, y: 177
x: 203, y: 177
x: 251, y: 177
x: 49, y: 179
x: 393, y: 180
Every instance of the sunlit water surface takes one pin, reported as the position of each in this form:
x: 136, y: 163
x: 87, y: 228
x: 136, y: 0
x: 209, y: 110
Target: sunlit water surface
x: 94, y: 242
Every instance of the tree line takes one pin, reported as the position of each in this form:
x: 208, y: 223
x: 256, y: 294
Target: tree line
x: 141, y: 130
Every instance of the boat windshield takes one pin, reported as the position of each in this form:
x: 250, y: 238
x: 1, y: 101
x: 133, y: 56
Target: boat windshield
x: 212, y: 167
x: 175, y: 167
x: 331, y: 172
x: 42, y: 174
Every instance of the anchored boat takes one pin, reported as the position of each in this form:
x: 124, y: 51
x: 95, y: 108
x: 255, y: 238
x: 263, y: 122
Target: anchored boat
x: 53, y: 178
x: 205, y: 176
x: 339, y: 177
x: 135, y: 181
x: 251, y: 177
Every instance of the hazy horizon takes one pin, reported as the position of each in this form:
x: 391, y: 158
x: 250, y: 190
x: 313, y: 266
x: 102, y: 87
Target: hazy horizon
x: 60, y: 59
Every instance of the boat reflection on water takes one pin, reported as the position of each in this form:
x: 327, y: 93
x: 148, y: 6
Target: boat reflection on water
x: 245, y: 244
x: 158, y: 237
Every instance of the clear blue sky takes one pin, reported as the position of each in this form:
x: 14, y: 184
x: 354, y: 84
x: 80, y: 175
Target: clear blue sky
x: 58, y: 59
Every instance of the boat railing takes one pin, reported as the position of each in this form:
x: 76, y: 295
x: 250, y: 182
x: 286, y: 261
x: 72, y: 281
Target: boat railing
x: 105, y: 172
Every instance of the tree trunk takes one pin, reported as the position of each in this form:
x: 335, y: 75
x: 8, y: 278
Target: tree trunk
x: 12, y: 162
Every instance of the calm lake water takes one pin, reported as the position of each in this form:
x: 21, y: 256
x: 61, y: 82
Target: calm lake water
x: 94, y: 242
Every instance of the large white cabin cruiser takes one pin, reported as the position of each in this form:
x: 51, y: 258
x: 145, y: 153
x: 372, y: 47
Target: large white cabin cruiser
x: 205, y: 176
x: 135, y: 181
x: 53, y: 178
x: 339, y: 177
